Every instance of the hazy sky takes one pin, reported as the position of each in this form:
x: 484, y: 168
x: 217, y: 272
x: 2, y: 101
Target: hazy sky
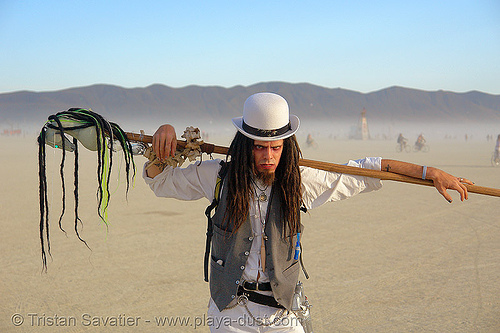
x: 358, y: 45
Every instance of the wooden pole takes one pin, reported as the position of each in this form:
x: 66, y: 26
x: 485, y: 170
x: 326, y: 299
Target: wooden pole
x: 207, y: 148
x: 327, y: 166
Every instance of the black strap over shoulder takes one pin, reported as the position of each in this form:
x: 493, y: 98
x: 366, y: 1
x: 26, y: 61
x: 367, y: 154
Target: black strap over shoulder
x: 208, y: 213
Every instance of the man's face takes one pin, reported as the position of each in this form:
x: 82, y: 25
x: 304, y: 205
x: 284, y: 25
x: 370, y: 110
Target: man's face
x: 267, y: 156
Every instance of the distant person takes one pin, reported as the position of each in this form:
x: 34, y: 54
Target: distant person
x: 310, y: 141
x: 402, y: 144
x: 420, y: 141
x: 402, y: 140
x: 497, y: 148
x: 255, y: 231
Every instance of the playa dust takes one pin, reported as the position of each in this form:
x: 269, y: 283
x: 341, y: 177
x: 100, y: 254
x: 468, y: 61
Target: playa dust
x: 401, y: 259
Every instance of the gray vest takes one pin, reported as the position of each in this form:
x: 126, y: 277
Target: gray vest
x: 230, y: 250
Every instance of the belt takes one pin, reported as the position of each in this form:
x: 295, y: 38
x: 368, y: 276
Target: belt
x: 252, y: 296
x: 255, y: 286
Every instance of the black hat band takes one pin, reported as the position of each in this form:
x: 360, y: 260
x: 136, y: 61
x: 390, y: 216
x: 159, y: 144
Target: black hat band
x: 266, y: 133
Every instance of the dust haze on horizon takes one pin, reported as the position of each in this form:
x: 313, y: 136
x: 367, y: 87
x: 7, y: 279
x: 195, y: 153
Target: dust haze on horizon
x: 335, y: 130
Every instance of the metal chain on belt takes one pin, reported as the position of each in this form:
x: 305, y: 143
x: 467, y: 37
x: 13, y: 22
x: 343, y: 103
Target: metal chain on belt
x: 243, y: 301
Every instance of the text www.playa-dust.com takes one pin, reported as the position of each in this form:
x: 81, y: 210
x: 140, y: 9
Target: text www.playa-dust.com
x: 122, y: 320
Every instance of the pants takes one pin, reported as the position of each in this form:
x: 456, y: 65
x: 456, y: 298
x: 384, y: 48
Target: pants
x: 239, y: 320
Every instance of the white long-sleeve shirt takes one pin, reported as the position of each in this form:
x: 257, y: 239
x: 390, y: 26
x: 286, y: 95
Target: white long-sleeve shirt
x: 318, y: 187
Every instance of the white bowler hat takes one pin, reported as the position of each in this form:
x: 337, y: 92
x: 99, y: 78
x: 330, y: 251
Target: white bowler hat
x: 266, y: 118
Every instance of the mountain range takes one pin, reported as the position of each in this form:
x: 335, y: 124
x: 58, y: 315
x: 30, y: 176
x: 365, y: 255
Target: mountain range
x: 211, y: 103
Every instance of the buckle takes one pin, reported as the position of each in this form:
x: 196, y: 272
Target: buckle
x: 250, y: 286
x: 255, y: 286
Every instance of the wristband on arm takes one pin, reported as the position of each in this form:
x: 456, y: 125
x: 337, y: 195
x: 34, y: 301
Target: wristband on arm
x: 424, y: 172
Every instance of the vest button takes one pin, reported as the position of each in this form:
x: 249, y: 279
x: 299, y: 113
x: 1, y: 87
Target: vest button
x: 247, y: 253
x: 232, y: 296
x: 250, y: 238
x: 237, y: 281
x: 242, y: 267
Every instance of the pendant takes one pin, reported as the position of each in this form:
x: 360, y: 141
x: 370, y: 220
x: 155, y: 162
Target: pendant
x: 263, y: 254
x: 262, y: 197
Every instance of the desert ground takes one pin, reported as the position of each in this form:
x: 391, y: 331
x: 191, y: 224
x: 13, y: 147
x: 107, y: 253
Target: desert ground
x: 401, y: 259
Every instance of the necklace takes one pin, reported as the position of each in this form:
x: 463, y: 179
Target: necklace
x: 262, y: 196
x: 264, y: 237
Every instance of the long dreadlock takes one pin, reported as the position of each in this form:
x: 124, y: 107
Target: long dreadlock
x: 287, y: 183
x: 77, y: 119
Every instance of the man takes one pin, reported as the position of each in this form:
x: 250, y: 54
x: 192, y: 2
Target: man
x: 420, y: 142
x: 497, y: 148
x: 402, y: 140
x: 253, y: 267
